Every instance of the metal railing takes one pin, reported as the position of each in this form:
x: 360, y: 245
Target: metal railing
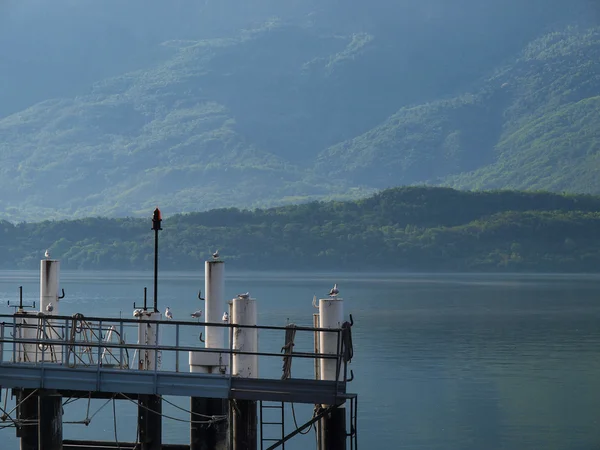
x: 101, y: 342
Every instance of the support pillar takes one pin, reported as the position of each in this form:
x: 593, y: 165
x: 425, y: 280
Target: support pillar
x: 27, y: 411
x: 244, y: 415
x: 332, y: 427
x: 150, y: 422
x: 204, y: 436
x: 245, y: 436
x: 333, y: 430
x: 50, y: 432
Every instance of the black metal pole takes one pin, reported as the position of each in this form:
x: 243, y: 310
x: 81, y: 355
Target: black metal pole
x: 156, y: 220
x: 155, y: 270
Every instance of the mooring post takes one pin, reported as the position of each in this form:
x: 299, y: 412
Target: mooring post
x: 27, y: 414
x: 332, y: 427
x: 150, y: 422
x: 204, y: 434
x: 244, y: 420
x: 50, y: 433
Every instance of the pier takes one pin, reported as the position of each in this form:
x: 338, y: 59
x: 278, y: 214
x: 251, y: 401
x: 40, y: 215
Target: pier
x: 46, y: 357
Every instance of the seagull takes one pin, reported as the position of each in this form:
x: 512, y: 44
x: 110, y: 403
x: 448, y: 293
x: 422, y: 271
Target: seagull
x: 168, y: 314
x: 138, y: 312
x: 47, y: 254
x: 334, y: 291
x: 225, y: 317
x: 49, y: 307
x: 197, y: 314
x: 244, y: 296
x: 215, y: 255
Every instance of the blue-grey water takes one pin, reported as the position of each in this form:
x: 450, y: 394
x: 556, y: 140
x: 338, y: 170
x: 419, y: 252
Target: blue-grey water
x: 441, y: 361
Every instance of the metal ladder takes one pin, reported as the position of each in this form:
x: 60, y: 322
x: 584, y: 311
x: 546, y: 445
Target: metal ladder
x: 352, y: 435
x: 272, y: 421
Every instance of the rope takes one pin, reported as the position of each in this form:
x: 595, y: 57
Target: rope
x: 296, y: 423
x: 347, y: 349
x: 187, y: 411
x: 16, y: 406
x: 213, y: 419
x: 115, y: 424
x: 288, y: 349
x: 88, y: 419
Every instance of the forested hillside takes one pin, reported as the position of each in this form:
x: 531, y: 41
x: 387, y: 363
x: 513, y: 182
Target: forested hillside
x: 419, y: 229
x: 108, y: 108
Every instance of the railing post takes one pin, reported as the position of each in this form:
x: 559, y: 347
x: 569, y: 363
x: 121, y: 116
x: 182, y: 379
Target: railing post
x: 230, y: 351
x: 14, y: 328
x: 121, y: 343
x: 65, y: 355
x: 43, y: 339
x: 177, y: 346
x: 156, y: 353
x: 99, y: 344
x: 2, y: 343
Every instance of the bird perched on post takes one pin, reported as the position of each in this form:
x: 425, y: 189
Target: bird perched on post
x: 244, y: 296
x: 215, y: 255
x: 138, y: 312
x: 168, y: 314
x: 225, y: 317
x: 334, y: 291
x: 47, y: 254
x: 49, y: 307
x: 196, y: 314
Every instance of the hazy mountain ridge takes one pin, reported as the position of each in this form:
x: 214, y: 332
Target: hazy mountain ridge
x: 527, y: 123
x: 414, y: 228
x: 313, y: 106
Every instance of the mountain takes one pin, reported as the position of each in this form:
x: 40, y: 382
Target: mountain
x: 115, y: 107
x: 418, y: 229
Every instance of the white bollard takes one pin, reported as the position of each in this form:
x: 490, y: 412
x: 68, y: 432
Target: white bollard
x: 243, y: 312
x: 49, y: 306
x: 49, y: 280
x: 148, y: 335
x: 26, y: 328
x: 214, y: 287
x: 331, y: 315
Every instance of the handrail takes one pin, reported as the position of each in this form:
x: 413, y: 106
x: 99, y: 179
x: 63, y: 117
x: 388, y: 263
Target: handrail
x: 56, y: 336
x: 171, y: 348
x: 170, y: 322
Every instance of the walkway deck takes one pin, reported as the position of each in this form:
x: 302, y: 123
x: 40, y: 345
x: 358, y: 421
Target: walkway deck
x: 44, y: 352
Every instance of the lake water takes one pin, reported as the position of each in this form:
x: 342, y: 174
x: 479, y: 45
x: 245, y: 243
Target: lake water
x: 440, y: 361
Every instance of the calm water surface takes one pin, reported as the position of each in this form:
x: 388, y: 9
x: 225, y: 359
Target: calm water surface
x: 441, y: 361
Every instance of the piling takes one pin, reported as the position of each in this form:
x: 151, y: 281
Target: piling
x: 150, y: 422
x: 149, y: 406
x: 212, y: 435
x: 214, y: 303
x: 49, y: 280
x: 332, y: 428
x: 206, y: 434
x: 244, y: 413
x: 50, y: 420
x: 27, y: 414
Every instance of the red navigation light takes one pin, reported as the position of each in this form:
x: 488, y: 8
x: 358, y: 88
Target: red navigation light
x: 156, y: 220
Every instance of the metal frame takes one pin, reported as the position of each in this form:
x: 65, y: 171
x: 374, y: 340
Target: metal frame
x: 63, y: 374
